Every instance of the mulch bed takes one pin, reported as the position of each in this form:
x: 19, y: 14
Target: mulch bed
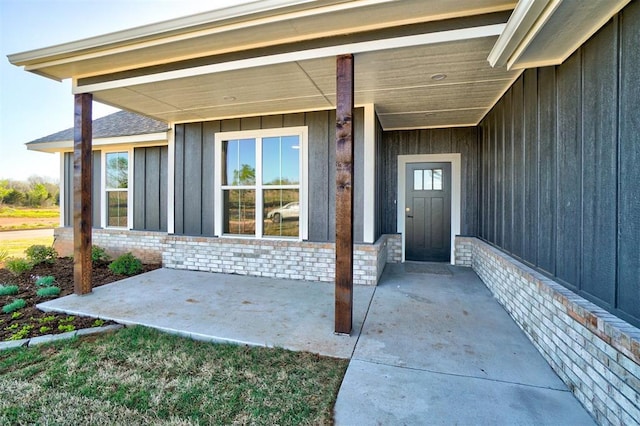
x: 40, y: 323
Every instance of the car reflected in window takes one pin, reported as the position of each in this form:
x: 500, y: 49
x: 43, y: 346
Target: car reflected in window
x: 288, y: 211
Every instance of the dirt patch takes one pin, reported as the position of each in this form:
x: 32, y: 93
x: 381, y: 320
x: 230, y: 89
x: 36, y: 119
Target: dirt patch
x: 34, y: 322
x: 8, y: 223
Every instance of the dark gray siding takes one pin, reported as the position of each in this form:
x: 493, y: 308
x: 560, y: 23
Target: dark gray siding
x: 437, y: 141
x: 150, y: 188
x: 95, y: 188
x: 561, y: 166
x: 379, y: 186
x: 194, y: 173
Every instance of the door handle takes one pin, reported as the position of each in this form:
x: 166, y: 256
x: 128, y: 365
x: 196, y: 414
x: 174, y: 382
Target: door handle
x: 410, y: 216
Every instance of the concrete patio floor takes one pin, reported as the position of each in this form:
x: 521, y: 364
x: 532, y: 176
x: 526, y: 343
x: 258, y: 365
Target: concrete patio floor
x: 430, y: 344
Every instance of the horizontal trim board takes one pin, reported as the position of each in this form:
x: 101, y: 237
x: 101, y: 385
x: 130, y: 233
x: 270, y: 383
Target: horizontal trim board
x: 150, y: 139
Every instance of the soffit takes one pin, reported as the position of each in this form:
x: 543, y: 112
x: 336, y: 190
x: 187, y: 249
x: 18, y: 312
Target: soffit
x: 546, y: 32
x: 397, y: 81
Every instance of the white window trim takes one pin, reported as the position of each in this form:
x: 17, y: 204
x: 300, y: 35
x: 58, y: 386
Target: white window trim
x: 103, y: 188
x: 456, y: 192
x: 302, y: 133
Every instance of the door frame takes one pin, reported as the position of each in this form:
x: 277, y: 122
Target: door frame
x: 456, y: 192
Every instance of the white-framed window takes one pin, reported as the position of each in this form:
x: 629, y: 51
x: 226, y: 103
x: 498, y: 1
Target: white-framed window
x: 117, y: 191
x: 261, y: 182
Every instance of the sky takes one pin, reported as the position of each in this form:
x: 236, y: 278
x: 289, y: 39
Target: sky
x: 32, y: 106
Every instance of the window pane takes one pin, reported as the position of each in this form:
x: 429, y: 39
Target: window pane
x: 117, y: 170
x: 240, y: 211
x: 417, y: 180
x: 239, y: 161
x: 282, y: 212
x: 428, y: 182
x: 437, y: 179
x: 117, y: 208
x: 281, y: 160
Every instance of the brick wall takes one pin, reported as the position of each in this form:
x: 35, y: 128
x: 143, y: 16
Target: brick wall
x: 595, y: 353
x: 296, y: 260
x: 147, y: 246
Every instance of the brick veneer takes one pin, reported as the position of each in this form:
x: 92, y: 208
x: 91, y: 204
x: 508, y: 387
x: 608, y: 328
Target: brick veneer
x: 595, y: 353
x: 297, y: 260
x: 147, y: 246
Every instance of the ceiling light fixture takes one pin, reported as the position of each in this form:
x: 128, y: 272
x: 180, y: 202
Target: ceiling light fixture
x: 229, y: 98
x: 438, y: 77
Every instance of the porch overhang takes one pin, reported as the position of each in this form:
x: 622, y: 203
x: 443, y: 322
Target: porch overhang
x: 546, y: 32
x: 423, y: 64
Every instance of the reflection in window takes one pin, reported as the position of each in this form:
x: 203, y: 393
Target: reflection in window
x: 117, y: 188
x: 270, y: 192
x: 281, y: 161
x: 239, y: 211
x: 240, y: 162
x: 417, y: 180
x: 427, y: 180
x: 283, y: 212
x: 437, y: 179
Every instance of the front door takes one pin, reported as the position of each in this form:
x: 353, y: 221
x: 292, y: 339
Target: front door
x: 428, y: 212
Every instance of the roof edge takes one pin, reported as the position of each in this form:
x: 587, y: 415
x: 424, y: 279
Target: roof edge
x: 216, y: 18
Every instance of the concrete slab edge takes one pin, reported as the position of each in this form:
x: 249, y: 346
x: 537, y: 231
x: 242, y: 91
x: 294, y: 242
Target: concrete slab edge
x: 48, y: 338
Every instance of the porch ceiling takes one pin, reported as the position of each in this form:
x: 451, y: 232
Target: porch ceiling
x: 278, y: 56
x: 398, y: 81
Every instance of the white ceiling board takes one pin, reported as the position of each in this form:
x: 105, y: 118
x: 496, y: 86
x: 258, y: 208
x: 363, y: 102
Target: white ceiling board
x: 435, y: 98
x: 283, y: 81
x: 421, y: 120
x: 396, y: 81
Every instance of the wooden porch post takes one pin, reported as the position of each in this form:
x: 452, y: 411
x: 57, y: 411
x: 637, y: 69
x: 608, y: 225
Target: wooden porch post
x: 82, y: 136
x: 344, y: 194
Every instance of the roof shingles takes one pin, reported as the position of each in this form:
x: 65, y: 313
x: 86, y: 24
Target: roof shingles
x: 122, y: 123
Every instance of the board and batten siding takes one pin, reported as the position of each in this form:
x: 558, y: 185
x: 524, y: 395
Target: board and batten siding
x: 96, y: 173
x: 149, y: 189
x: 463, y: 140
x: 150, y: 177
x: 561, y: 169
x: 194, y: 170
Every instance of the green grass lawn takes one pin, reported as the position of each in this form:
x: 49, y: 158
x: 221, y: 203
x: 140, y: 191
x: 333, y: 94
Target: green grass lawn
x: 140, y: 376
x: 16, y: 248
x: 14, y: 219
x: 29, y: 213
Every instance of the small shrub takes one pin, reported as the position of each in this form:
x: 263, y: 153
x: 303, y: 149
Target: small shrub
x: 127, y: 264
x: 22, y: 333
x: 98, y: 323
x: 66, y: 327
x: 16, y: 315
x: 44, y: 329
x: 45, y: 281
x: 8, y: 290
x: 18, y: 266
x: 48, y: 291
x: 38, y: 254
x: 14, y: 306
x: 67, y: 319
x: 47, y: 319
x: 98, y: 254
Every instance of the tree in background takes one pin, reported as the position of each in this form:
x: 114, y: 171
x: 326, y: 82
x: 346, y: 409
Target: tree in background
x: 36, y: 192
